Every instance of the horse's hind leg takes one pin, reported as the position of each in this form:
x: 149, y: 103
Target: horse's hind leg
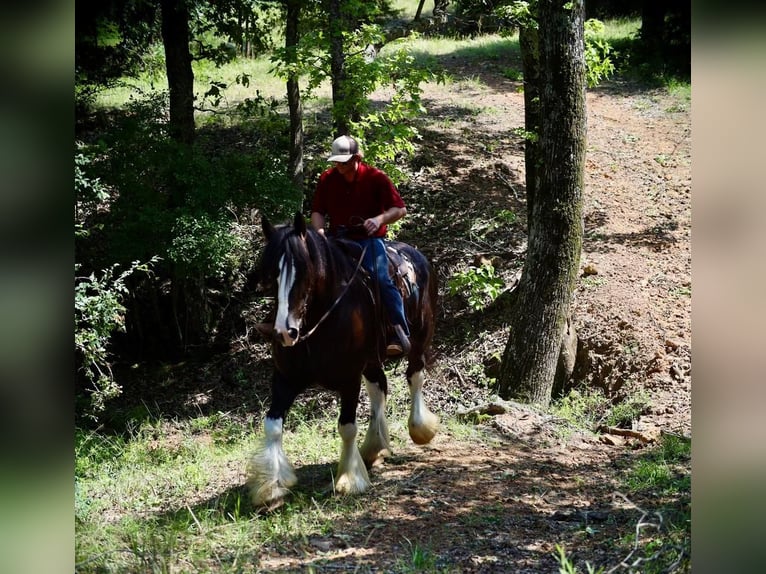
x: 270, y: 473
x: 422, y: 423
x: 377, y: 444
x: 352, y: 474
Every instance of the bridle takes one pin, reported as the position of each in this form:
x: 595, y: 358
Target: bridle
x: 337, y: 299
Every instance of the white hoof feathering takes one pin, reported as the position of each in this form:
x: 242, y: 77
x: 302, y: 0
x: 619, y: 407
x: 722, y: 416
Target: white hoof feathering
x: 270, y: 474
x: 352, y: 474
x: 422, y: 424
x: 377, y: 443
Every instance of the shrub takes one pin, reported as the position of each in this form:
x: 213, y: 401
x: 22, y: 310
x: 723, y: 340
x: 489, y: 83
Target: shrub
x: 479, y: 285
x: 99, y: 312
x: 184, y: 204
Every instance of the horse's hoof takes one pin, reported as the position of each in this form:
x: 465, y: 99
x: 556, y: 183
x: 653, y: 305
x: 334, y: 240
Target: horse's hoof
x: 270, y: 507
x: 375, y: 460
x: 423, y: 431
x: 268, y: 496
x: 347, y: 485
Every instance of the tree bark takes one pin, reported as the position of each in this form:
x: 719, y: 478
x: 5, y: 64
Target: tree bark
x: 419, y: 10
x: 294, y: 103
x: 653, y: 22
x: 337, y: 67
x: 440, y: 10
x: 530, y: 62
x: 539, y: 316
x: 175, y: 39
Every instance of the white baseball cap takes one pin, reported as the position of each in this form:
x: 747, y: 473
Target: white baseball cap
x: 343, y: 149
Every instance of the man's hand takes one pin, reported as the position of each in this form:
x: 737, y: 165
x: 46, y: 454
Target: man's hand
x: 371, y: 225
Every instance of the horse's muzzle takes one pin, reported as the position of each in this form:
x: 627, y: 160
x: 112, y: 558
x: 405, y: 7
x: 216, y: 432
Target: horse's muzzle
x: 286, y: 337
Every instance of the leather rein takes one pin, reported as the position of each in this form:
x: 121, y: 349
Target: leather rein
x: 337, y: 300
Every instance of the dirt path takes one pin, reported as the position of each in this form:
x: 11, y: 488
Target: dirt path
x: 502, y: 503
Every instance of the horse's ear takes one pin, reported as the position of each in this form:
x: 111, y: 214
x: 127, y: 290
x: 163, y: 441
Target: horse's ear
x: 300, y: 224
x: 268, y: 228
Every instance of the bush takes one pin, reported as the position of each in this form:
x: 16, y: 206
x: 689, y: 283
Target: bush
x: 99, y: 312
x: 479, y: 285
x: 184, y: 205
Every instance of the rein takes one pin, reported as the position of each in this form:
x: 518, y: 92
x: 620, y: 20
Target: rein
x: 337, y: 300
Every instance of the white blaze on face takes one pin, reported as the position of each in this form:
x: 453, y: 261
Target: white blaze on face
x: 285, y: 282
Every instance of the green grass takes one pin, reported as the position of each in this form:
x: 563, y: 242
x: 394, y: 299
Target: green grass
x: 261, y: 80
x: 663, y: 477
x: 619, y: 29
x: 169, y: 495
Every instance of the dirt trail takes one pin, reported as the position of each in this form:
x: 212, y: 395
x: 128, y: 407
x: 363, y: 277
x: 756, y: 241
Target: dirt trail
x: 501, y: 504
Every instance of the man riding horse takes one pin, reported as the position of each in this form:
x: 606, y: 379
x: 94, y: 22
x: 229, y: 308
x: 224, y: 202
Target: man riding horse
x: 360, y: 201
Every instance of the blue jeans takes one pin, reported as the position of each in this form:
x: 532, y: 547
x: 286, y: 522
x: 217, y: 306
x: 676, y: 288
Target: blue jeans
x: 376, y: 262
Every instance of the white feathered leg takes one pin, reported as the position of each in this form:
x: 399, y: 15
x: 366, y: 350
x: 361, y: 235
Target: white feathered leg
x: 352, y: 474
x: 422, y: 423
x: 377, y: 444
x: 270, y: 473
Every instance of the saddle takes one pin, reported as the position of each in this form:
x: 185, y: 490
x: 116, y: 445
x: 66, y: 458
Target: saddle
x: 400, y: 267
x: 402, y: 271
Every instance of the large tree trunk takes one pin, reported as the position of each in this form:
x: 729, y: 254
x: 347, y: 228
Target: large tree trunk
x: 539, y: 316
x: 175, y: 38
x: 294, y: 95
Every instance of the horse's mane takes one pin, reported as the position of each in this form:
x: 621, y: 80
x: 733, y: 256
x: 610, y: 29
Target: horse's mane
x: 324, y: 256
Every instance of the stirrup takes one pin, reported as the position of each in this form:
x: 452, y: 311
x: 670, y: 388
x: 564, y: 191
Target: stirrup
x: 400, y: 347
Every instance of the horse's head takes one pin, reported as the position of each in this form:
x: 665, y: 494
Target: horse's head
x: 287, y: 269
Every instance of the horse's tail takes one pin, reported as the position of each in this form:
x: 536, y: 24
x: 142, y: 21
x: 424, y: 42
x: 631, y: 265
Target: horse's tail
x: 430, y: 312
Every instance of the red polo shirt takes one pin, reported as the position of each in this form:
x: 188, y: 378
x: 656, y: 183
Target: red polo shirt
x: 350, y: 203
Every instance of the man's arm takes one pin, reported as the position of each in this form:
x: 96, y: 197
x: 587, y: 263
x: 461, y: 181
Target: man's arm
x: 390, y: 215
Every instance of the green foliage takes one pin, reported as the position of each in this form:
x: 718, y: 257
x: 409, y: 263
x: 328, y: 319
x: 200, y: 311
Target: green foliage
x: 528, y: 135
x: 626, y: 411
x: 386, y: 133
x: 205, y: 246
x: 598, y: 53
x: 181, y: 203
x: 89, y: 191
x: 516, y: 14
x: 589, y: 409
x: 567, y: 567
x: 141, y: 195
x: 583, y: 409
x: 479, y: 285
x: 662, y: 540
x: 99, y: 312
x: 656, y: 472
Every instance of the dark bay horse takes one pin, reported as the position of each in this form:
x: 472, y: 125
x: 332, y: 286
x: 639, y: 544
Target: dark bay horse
x: 328, y: 332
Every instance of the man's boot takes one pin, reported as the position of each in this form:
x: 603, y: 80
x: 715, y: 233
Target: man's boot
x: 398, y: 347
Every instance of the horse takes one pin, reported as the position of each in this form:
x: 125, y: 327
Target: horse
x: 327, y: 332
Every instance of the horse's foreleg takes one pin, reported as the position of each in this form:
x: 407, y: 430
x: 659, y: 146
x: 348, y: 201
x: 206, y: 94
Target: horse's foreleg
x: 422, y: 423
x: 352, y: 475
x: 270, y: 474
x: 377, y: 444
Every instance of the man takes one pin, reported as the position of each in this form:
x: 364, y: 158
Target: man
x: 360, y: 201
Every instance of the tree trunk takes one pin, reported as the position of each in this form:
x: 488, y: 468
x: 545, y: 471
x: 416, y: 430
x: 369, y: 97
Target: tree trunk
x: 652, y: 22
x: 530, y: 61
x: 539, y: 316
x: 419, y: 10
x: 440, y: 10
x: 294, y: 95
x: 175, y: 38
x: 337, y: 67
